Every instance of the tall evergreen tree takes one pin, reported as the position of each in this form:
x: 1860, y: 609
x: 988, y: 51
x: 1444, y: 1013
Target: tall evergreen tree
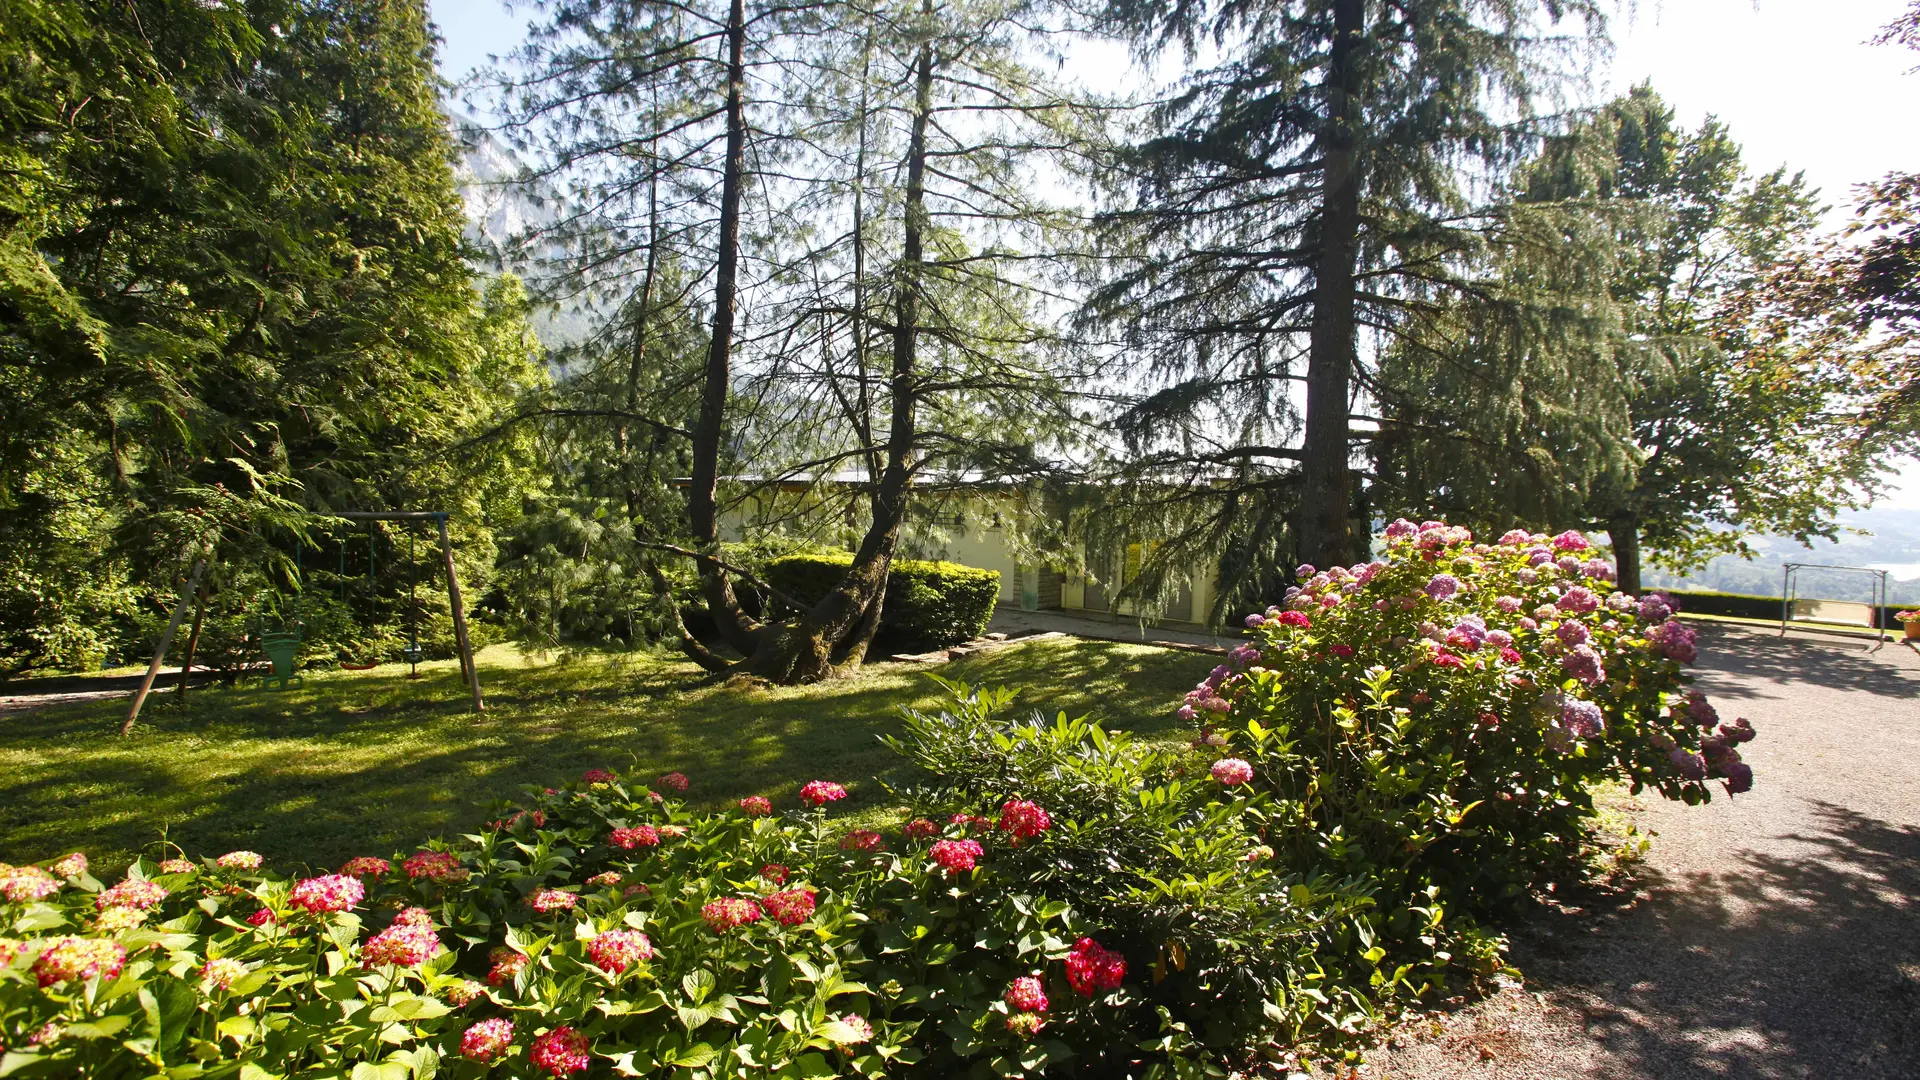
x: 1302, y: 192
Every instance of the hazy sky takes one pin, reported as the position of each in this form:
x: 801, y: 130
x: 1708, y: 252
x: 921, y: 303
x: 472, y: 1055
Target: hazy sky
x: 1794, y: 80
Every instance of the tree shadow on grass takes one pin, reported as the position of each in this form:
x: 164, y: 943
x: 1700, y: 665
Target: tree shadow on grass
x: 1803, y: 964
x: 355, y: 765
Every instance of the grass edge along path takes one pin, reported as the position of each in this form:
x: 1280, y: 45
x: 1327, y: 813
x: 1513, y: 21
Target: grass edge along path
x: 366, y: 762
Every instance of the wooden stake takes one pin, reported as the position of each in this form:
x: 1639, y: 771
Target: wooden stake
x: 193, y: 641
x: 471, y: 670
x: 173, y: 626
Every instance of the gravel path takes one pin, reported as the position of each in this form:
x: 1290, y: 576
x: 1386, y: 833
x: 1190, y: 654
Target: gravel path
x: 1773, y: 935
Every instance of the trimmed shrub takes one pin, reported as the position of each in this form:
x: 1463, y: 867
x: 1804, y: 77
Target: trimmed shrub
x: 927, y: 603
x: 1751, y: 607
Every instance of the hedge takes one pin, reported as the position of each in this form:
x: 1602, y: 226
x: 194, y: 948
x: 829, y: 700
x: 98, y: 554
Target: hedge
x: 928, y: 603
x: 1753, y: 607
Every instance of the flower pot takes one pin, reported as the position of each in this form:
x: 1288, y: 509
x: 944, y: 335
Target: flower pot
x: 1913, y: 629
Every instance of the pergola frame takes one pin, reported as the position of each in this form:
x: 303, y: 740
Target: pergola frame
x: 1790, y: 591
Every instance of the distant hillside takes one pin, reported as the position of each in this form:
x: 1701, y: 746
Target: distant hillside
x: 1891, y: 542
x: 500, y: 209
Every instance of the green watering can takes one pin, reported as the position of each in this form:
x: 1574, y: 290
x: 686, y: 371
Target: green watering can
x: 281, y: 648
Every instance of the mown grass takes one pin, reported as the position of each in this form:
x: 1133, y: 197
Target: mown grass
x: 368, y: 763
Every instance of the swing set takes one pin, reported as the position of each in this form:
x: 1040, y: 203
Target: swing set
x: 281, y: 646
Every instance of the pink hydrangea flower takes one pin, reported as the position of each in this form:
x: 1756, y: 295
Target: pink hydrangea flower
x: 775, y: 873
x: 792, y: 907
x: 1401, y: 529
x: 598, y: 776
x: 863, y: 840
x: 921, y: 829
x: 1025, y: 994
x: 1091, y: 968
x: 1573, y: 632
x: 617, y: 950
x: 414, y: 916
x: 24, y: 884
x: 1674, y: 640
x: 239, y: 860
x: 973, y: 823
x: 821, y: 792
x: 327, y: 893
x: 178, y: 866
x: 1583, y: 663
x: 729, y: 912
x: 404, y: 945
x: 1442, y: 587
x: 606, y: 880
x: 674, y: 781
x: 1509, y: 604
x: 635, y: 836
x: 1024, y: 819
x: 487, y: 1041
x: 432, y: 865
x: 72, y: 866
x: 1232, y: 771
x: 757, y: 805
x: 956, y: 856
x: 548, y: 901
x: 131, y: 893
x: 366, y: 866
x: 1571, y: 540
x: 465, y: 992
x: 71, y: 959
x: 507, y: 965
x: 1578, y: 600
x: 221, y: 972
x: 860, y: 1031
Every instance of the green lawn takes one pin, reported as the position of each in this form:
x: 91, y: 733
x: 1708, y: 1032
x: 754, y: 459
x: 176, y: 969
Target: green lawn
x: 365, y: 763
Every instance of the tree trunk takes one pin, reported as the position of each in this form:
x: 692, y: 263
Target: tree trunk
x: 842, y: 622
x: 1624, y: 530
x: 738, y: 628
x: 1324, y: 529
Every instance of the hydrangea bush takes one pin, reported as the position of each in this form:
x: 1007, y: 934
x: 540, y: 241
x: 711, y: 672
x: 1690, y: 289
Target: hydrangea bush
x: 1436, y: 721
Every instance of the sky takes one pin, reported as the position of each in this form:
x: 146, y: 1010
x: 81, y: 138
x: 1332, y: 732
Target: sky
x: 1794, y: 81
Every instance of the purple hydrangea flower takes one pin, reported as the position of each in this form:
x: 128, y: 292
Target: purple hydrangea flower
x: 1673, y: 640
x: 1739, y: 778
x: 1443, y: 587
x: 1582, y: 718
x: 1573, y: 632
x: 1598, y: 569
x: 1689, y: 766
x: 1255, y: 622
x: 1244, y: 654
x: 1514, y: 537
x: 1584, y: 664
x: 1499, y: 639
x: 1509, y: 604
x: 1568, y: 565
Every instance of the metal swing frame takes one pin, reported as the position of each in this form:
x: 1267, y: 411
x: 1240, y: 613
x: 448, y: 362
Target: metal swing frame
x: 1790, y: 594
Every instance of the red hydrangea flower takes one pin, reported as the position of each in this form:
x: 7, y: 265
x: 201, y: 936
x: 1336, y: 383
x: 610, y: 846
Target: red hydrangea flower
x: 1232, y: 771
x: 757, y: 805
x: 598, y: 776
x: 860, y: 1030
x: 1024, y: 819
x: 1092, y: 968
x: 401, y: 945
x: 1341, y: 651
x: 921, y: 829
x: 973, y: 823
x: 863, y: 840
x: 821, y: 792
x: 432, y: 865
x: 506, y: 965
x: 263, y: 917
x: 329, y: 892
x: 560, y: 1052
x: 956, y: 856
x: 617, y: 950
x: 1511, y: 655
x: 547, y: 901
x: 487, y: 1041
x: 674, y: 781
x: 1571, y: 540
x: 1293, y: 618
x: 792, y: 907
x: 366, y: 866
x: 1025, y: 994
x: 131, y: 893
x: 637, y: 836
x: 73, y: 958
x: 775, y: 873
x: 728, y: 912
x: 72, y: 866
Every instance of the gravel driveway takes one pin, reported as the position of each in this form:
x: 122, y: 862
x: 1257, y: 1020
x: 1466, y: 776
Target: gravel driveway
x: 1773, y: 935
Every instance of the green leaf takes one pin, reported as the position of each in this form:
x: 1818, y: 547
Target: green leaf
x: 698, y: 984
